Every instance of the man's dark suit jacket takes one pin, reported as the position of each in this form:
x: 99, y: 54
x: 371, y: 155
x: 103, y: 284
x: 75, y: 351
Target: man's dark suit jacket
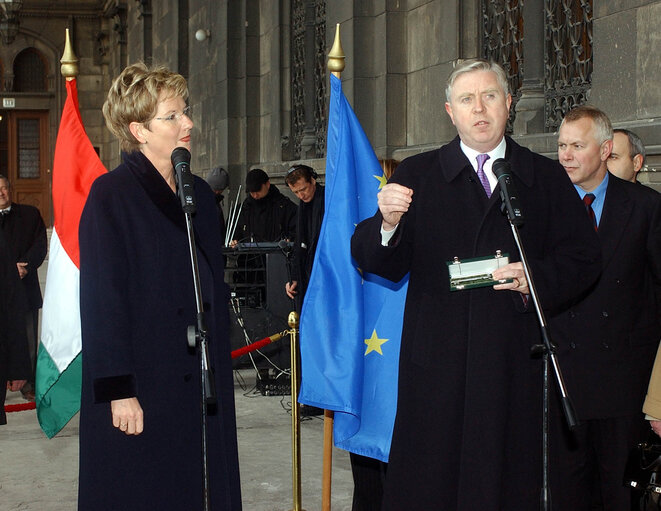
x: 26, y: 233
x: 608, y: 340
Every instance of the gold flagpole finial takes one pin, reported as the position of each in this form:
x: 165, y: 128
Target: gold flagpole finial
x: 69, y: 61
x: 336, y: 55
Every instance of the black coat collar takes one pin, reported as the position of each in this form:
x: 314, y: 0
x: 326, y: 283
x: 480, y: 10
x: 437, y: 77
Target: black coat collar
x: 155, y: 187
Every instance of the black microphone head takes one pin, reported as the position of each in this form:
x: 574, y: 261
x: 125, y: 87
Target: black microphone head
x: 500, y: 168
x: 180, y: 155
x: 285, y: 245
x: 184, y: 178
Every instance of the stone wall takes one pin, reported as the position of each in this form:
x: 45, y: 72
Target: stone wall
x: 398, y: 56
x: 44, y: 30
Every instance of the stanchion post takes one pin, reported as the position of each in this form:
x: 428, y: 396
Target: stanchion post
x: 295, y: 413
x: 327, y: 471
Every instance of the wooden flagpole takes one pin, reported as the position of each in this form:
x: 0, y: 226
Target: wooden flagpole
x: 335, y: 66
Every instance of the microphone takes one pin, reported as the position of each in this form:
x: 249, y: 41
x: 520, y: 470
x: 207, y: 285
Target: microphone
x: 508, y: 195
x: 184, y: 178
x: 285, y: 246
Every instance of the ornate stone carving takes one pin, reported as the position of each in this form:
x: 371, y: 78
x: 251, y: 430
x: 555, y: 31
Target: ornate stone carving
x: 298, y: 76
x: 119, y: 23
x: 320, y: 113
x: 503, y: 42
x: 144, y: 8
x: 101, y: 46
x: 308, y: 79
x: 8, y: 80
x: 568, y: 57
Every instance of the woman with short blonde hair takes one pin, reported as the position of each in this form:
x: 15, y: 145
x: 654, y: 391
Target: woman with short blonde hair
x: 140, y: 422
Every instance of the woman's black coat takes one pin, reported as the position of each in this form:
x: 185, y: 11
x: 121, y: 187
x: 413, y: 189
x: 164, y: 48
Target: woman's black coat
x: 137, y: 302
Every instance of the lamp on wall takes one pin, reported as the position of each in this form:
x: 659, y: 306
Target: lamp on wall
x: 202, y: 34
x: 9, y: 21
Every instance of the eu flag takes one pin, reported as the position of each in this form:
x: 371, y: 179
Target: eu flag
x: 351, y: 322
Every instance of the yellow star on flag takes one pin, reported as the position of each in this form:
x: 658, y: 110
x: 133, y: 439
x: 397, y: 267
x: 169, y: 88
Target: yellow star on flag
x: 374, y: 343
x: 382, y: 180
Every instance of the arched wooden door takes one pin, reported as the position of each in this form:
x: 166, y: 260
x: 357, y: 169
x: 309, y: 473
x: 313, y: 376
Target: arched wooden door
x: 23, y: 158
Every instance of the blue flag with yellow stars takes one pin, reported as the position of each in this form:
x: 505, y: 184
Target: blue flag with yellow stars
x: 351, y: 323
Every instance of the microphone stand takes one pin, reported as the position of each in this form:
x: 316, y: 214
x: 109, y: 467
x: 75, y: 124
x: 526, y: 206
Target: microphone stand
x: 547, y: 349
x: 197, y: 335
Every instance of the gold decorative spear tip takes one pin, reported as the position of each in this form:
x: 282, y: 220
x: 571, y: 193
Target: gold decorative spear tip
x: 336, y: 55
x: 69, y: 61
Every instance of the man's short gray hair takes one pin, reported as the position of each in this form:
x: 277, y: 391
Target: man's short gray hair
x: 603, y: 130
x: 636, y: 145
x: 467, y: 66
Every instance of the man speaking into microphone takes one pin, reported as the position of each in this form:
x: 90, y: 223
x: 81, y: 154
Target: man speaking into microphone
x: 468, y: 429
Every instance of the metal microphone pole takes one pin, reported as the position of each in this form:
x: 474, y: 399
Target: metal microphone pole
x: 546, y: 348
x: 197, y: 334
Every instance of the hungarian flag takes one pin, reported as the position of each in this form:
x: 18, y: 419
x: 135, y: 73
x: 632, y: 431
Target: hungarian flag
x: 59, y: 364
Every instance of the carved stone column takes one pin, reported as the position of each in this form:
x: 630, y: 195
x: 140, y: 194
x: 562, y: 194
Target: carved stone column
x: 530, y: 107
x: 116, y: 12
x: 144, y: 14
x: 8, y: 80
x: 308, y: 80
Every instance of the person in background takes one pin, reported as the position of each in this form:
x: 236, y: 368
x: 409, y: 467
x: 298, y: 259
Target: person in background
x: 628, y: 155
x: 140, y: 412
x: 652, y: 404
x: 369, y: 474
x: 14, y: 357
x: 389, y: 165
x: 266, y: 214
x: 606, y: 340
x: 26, y: 234
x: 467, y: 434
x: 219, y: 179
x: 302, y: 181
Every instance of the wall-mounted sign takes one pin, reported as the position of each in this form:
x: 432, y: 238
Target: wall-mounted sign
x: 8, y: 102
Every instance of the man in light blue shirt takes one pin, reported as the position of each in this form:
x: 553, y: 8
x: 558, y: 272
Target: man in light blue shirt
x: 607, y: 340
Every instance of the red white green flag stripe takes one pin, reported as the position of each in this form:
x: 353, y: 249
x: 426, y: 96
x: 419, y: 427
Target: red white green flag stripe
x: 58, y: 377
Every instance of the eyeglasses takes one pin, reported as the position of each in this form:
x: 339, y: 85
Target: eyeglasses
x: 176, y: 116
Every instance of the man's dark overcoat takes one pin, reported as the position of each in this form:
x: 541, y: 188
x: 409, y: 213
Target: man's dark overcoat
x: 467, y: 434
x: 14, y: 356
x: 25, y: 230
x: 137, y: 302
